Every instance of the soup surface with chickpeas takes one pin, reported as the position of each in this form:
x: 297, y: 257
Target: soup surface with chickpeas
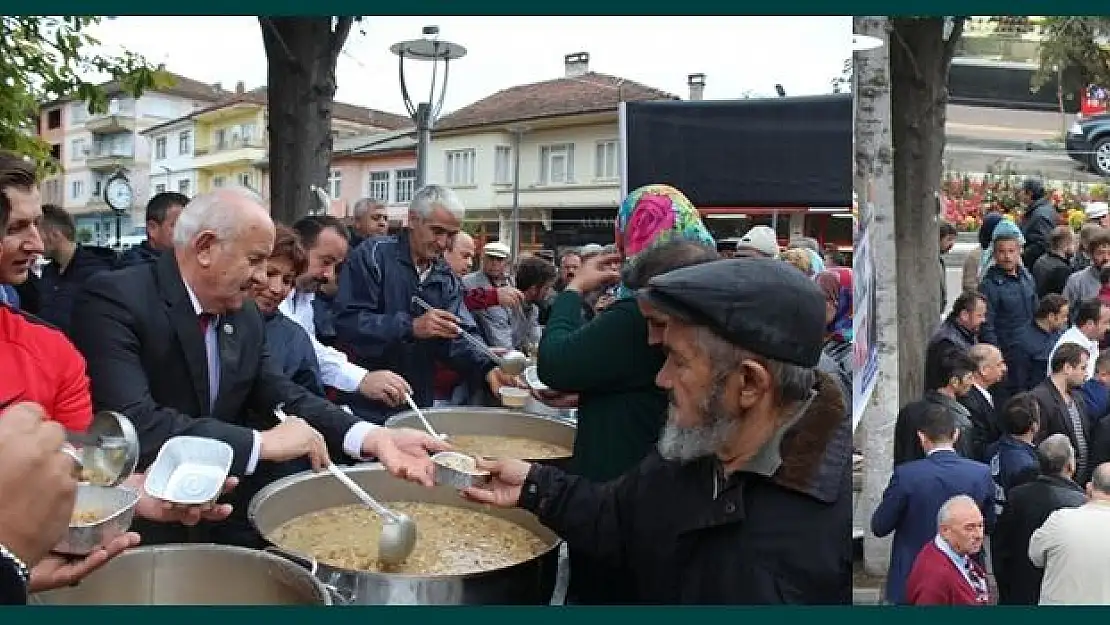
x: 450, y: 540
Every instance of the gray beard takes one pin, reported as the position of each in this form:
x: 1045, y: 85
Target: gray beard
x: 686, y: 444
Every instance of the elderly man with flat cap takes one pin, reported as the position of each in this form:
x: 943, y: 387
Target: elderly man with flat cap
x: 748, y: 500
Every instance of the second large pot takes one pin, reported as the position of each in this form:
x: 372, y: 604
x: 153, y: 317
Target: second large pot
x: 469, y: 420
x: 529, y: 583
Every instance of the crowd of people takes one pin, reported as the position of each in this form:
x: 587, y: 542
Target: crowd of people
x: 712, y: 456
x: 1002, y: 468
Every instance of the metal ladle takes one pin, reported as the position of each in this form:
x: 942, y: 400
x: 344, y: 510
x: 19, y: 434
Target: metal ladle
x: 512, y: 363
x: 423, y: 419
x: 398, y: 537
x: 109, y: 449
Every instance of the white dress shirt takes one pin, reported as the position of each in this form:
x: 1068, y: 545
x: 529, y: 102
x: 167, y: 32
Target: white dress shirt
x: 352, y: 440
x: 335, y: 369
x: 1073, y: 335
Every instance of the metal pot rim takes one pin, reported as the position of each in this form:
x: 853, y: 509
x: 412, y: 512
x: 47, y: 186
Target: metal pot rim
x: 304, y: 476
x: 394, y: 421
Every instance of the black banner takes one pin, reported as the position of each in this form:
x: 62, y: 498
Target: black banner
x: 770, y: 152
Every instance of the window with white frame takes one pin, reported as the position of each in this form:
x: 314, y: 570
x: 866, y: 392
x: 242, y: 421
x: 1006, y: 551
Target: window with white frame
x: 76, y: 189
x: 160, y: 148
x: 219, y: 138
x: 218, y: 181
x: 159, y: 188
x: 502, y: 164
x: 557, y: 164
x: 379, y: 186
x: 605, y: 162
x: 77, y: 150
x: 185, y: 143
x: 335, y: 184
x: 460, y: 167
x: 406, y: 185
x: 183, y: 186
x: 246, y: 180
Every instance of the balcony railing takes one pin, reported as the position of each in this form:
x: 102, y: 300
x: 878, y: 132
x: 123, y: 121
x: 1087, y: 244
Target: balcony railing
x: 236, y: 143
x: 110, y: 152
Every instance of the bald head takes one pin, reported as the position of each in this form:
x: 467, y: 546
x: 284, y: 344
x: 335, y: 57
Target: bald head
x: 460, y: 253
x: 960, y: 524
x: 221, y: 241
x: 990, y: 367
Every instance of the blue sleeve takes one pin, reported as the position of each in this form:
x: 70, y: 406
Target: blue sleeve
x: 988, y: 502
x: 891, y: 509
x: 987, y: 330
x: 359, y: 322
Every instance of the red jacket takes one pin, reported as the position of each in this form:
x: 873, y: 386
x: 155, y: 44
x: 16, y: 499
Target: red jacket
x: 935, y: 580
x: 38, y: 364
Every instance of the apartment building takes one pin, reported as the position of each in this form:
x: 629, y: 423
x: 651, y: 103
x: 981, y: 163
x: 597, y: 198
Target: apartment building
x: 91, y: 148
x: 227, y: 143
x: 562, y: 135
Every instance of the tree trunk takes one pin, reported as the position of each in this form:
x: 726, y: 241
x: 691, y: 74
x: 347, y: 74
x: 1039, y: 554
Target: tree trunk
x: 301, y: 53
x: 875, y: 191
x: 919, y: 60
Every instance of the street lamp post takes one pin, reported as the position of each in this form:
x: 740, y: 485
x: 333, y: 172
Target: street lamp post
x: 429, y: 48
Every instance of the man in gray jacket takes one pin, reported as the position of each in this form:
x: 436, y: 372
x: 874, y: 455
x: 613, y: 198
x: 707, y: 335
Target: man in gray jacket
x: 495, y: 322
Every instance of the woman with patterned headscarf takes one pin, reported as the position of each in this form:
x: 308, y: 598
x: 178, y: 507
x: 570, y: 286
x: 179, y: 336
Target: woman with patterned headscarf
x: 607, y: 362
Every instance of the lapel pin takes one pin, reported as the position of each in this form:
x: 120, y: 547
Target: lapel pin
x: 228, y: 329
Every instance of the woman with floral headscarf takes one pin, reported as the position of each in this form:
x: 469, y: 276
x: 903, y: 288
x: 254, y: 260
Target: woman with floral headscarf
x: 608, y: 363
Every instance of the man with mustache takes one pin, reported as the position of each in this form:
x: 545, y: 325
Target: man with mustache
x: 748, y: 500
x: 325, y: 241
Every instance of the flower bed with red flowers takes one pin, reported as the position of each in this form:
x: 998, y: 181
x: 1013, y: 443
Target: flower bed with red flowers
x: 966, y: 198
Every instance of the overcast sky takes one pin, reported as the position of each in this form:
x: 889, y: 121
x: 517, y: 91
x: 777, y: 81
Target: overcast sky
x: 737, y: 54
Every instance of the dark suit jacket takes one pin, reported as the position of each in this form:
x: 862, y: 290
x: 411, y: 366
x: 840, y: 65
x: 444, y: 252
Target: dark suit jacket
x: 1027, y: 508
x: 911, y: 501
x: 1054, y: 420
x: 984, y: 424
x: 139, y: 333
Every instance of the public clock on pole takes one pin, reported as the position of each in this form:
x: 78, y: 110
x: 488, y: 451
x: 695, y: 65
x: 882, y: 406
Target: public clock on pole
x: 118, y: 193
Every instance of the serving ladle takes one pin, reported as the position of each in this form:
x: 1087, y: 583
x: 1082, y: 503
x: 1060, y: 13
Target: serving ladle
x: 424, y: 420
x: 512, y: 363
x: 398, y: 537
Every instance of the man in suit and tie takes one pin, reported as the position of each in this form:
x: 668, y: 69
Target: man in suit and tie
x: 917, y: 490
x: 178, y: 346
x: 990, y: 369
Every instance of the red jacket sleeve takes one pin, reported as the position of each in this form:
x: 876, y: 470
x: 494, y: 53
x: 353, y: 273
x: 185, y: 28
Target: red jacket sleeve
x: 480, y: 298
x: 73, y: 401
x: 923, y: 585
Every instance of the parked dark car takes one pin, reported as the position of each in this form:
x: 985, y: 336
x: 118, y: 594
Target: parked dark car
x: 1088, y: 142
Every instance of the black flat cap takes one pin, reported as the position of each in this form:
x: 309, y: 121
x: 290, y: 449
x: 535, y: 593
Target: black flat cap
x: 760, y: 304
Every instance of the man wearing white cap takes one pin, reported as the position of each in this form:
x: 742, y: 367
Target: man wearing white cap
x: 495, y: 322
x: 759, y: 242
x: 1098, y: 213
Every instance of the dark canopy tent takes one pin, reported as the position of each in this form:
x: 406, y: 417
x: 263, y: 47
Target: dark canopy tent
x: 794, y: 151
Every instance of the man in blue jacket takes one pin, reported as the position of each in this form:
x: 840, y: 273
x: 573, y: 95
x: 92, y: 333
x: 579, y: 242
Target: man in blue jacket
x: 917, y: 490
x: 380, y: 327
x: 1011, y: 297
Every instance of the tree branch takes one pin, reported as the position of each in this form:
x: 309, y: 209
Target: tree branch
x: 268, y: 24
x: 953, y: 40
x: 339, y: 37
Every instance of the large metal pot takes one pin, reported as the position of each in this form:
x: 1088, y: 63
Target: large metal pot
x: 195, y: 574
x: 529, y: 583
x: 495, y: 422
